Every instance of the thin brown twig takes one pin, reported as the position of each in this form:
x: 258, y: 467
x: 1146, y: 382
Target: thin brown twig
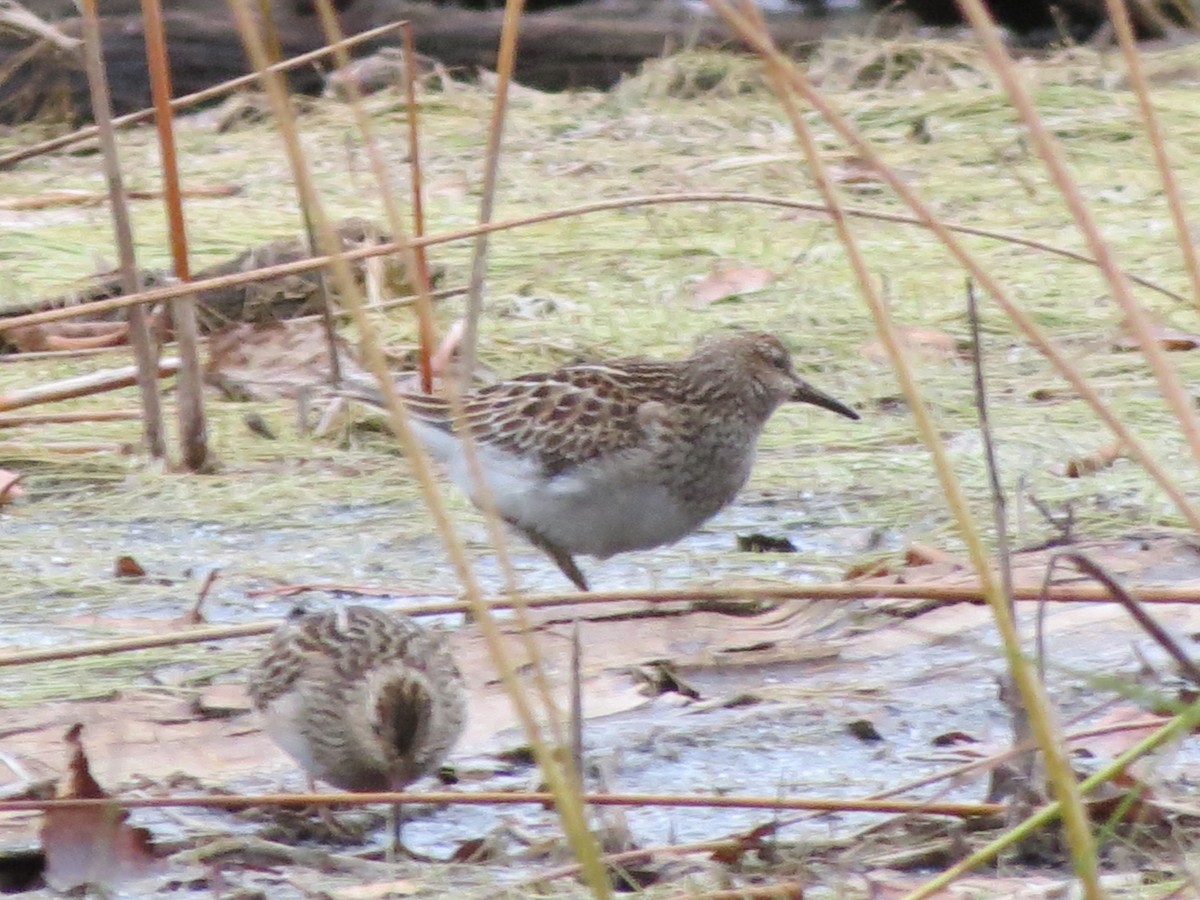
x: 1021, y: 726
x: 83, y: 415
x: 217, y: 90
x: 417, y: 193
x: 965, y: 594
x: 609, y: 205
x: 193, y: 437
x: 1089, y: 566
x: 508, y: 798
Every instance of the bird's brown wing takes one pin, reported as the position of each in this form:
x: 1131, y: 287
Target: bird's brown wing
x: 564, y: 417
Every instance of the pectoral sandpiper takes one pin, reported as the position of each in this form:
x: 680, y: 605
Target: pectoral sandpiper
x: 603, y: 458
x: 363, y: 699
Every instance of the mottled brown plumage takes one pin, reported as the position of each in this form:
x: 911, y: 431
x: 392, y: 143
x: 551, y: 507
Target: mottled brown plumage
x: 626, y: 455
x: 363, y: 699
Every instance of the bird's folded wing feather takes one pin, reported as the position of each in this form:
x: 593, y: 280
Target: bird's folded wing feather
x: 562, y: 418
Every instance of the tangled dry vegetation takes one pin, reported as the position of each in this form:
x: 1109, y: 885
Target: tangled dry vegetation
x: 644, y: 280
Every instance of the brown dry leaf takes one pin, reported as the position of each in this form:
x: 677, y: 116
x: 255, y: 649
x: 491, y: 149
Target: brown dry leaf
x: 1092, y: 462
x: 269, y: 361
x: 874, y: 568
x: 9, y: 489
x: 729, y: 281
x: 92, y: 845
x: 1124, y: 798
x: 1168, y: 338
x: 128, y: 567
x: 928, y: 343
x: 953, y: 738
x: 925, y: 555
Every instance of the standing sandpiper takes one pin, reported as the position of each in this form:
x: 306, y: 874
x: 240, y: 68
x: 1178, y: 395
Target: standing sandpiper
x: 363, y: 699
x: 631, y: 454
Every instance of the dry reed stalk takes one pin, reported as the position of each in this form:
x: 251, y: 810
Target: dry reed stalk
x: 193, y: 439
x: 417, y: 193
x: 562, y: 785
x: 1050, y: 150
x: 563, y: 789
x: 928, y: 219
x: 1033, y: 694
x: 512, y: 798
x: 144, y: 348
x: 505, y: 63
x: 63, y: 418
x: 1118, y: 14
x: 835, y: 592
x: 81, y: 386
x: 68, y: 448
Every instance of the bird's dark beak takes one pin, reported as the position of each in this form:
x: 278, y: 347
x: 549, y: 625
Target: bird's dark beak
x: 806, y: 393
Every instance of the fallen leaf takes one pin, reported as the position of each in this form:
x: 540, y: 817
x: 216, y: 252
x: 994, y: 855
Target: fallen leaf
x: 950, y: 738
x: 91, y: 845
x: 1124, y: 798
x: 473, y: 850
x: 1166, y: 337
x: 1092, y: 462
x: 928, y: 343
x: 924, y: 555
x: 9, y: 489
x: 730, y: 281
x: 128, y: 567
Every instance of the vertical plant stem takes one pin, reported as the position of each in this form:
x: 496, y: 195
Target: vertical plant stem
x: 1118, y: 12
x: 417, y: 190
x: 506, y: 62
x: 1022, y: 731
x: 1138, y: 320
x: 567, y: 795
x: 193, y: 439
x: 749, y: 23
x: 144, y: 349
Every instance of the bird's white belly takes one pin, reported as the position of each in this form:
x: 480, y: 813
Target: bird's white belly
x: 597, y: 513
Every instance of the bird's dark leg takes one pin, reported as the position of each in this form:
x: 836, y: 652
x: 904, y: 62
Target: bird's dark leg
x: 398, y: 850
x: 561, y: 557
